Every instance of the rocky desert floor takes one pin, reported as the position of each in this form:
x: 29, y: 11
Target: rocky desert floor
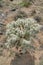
x: 9, y: 11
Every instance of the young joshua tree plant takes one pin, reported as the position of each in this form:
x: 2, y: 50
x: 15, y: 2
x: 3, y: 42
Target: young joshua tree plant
x: 20, y: 32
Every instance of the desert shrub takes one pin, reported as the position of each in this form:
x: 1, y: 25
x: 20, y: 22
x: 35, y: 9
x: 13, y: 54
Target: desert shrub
x: 20, y: 32
x: 41, y: 60
x: 1, y: 51
x: 26, y: 3
x: 41, y: 63
x: 1, y: 3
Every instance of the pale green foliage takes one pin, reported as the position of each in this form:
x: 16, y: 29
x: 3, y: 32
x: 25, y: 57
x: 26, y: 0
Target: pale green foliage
x: 26, y: 3
x: 41, y: 61
x: 19, y: 32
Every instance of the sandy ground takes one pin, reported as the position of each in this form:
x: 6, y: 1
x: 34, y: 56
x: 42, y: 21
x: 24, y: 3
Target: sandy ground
x: 38, y: 7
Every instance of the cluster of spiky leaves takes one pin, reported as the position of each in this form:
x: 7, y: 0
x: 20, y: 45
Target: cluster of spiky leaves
x: 20, y: 32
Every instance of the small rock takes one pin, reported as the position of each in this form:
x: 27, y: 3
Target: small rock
x: 37, y: 18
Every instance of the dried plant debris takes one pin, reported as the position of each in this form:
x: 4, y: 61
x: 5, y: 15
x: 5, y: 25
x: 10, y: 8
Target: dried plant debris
x: 20, y: 14
x: 41, y: 60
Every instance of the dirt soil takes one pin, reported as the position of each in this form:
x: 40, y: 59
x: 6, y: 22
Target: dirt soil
x: 7, y: 15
